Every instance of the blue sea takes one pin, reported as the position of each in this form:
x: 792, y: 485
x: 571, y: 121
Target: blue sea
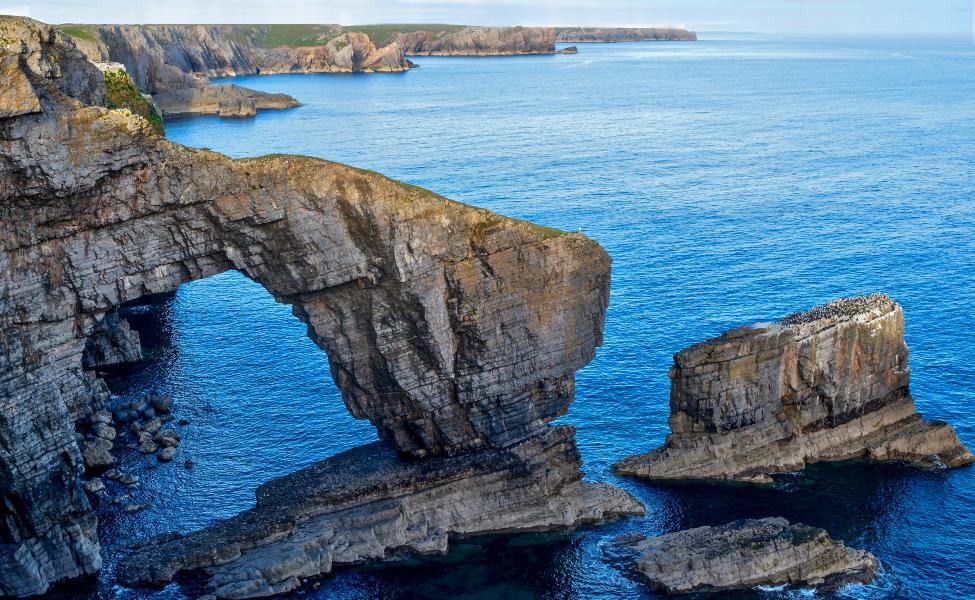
x: 732, y: 180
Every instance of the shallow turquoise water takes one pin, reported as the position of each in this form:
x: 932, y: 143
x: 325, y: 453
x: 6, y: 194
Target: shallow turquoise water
x: 732, y: 180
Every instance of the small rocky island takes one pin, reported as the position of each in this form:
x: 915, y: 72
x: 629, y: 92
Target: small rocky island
x: 828, y: 384
x: 742, y: 555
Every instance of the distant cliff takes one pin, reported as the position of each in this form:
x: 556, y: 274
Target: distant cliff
x: 623, y: 34
x: 477, y: 41
x: 173, y: 62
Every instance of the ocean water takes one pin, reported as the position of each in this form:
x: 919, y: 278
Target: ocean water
x: 732, y: 180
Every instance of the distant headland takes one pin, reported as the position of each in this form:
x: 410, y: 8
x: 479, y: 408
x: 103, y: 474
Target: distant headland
x: 173, y: 63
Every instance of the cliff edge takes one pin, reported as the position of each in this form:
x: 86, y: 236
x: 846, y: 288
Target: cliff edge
x: 454, y: 330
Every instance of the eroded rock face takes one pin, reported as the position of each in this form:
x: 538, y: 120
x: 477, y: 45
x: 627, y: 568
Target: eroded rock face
x: 452, y: 329
x: 623, y: 34
x: 742, y: 555
x: 828, y: 384
x: 366, y: 504
x: 173, y: 63
x: 478, y: 41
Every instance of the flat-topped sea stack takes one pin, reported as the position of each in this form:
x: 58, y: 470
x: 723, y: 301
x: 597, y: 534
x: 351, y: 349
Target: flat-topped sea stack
x: 742, y: 555
x: 455, y: 331
x: 824, y: 385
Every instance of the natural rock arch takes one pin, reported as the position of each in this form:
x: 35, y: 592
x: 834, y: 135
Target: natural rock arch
x: 450, y: 328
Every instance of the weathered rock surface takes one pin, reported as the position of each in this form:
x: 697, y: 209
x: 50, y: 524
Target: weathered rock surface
x: 173, y: 63
x: 824, y: 385
x: 367, y: 504
x: 111, y: 344
x: 454, y: 330
x: 623, y: 34
x: 478, y: 41
x: 742, y: 555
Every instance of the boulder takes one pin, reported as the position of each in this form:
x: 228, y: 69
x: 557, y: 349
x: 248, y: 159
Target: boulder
x: 166, y: 454
x: 97, y: 454
x: 105, y: 432
x: 94, y: 486
x: 167, y: 438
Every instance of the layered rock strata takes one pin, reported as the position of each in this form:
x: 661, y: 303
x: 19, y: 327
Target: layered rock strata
x: 452, y: 329
x: 623, y: 34
x: 742, y: 555
x: 824, y: 385
x: 367, y: 504
x: 174, y: 62
x: 477, y: 41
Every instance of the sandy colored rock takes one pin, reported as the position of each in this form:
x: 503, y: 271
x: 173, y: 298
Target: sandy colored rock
x: 742, y: 555
x: 824, y: 385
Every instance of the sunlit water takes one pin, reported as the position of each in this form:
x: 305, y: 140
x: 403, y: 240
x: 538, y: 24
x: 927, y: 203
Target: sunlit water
x: 732, y: 180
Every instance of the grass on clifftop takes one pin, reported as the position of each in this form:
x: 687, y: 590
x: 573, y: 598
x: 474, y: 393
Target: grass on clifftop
x: 380, y: 33
x: 293, y: 36
x: 81, y: 32
x: 120, y: 92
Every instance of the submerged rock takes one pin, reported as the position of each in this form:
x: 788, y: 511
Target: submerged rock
x: 742, y: 555
x: 824, y: 385
x: 166, y: 454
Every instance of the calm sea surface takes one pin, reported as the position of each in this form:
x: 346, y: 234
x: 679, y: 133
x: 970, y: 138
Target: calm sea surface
x: 732, y: 180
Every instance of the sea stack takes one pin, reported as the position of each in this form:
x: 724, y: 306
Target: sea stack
x: 455, y: 331
x: 742, y: 555
x: 828, y: 384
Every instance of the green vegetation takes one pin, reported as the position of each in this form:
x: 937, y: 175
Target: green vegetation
x: 120, y: 92
x: 81, y: 32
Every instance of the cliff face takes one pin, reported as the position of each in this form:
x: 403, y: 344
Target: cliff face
x: 828, y: 384
x: 452, y: 329
x: 478, y: 41
x: 623, y: 34
x: 173, y: 62
x: 742, y: 555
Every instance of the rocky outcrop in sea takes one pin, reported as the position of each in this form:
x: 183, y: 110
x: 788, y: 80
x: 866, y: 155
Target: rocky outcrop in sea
x: 742, y: 555
x: 828, y: 384
x: 454, y: 330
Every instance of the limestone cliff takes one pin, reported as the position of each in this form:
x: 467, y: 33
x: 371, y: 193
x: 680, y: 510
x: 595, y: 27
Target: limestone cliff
x: 454, y: 330
x: 477, y: 41
x: 173, y: 62
x: 623, y: 34
x: 742, y: 555
x: 828, y: 384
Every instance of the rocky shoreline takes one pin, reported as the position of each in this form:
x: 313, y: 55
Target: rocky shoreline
x: 173, y: 63
x: 455, y: 331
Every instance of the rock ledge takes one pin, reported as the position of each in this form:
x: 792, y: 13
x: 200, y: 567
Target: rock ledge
x: 741, y: 555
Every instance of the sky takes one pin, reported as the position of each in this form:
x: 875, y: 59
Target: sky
x: 924, y: 17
